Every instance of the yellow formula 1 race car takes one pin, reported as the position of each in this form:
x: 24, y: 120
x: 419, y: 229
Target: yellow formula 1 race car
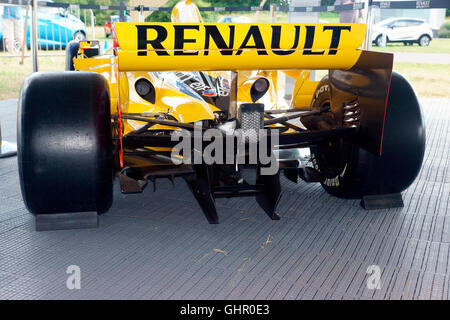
x: 200, y: 101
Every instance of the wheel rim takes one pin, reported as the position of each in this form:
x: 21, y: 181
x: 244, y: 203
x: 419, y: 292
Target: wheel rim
x: 380, y: 42
x: 424, y: 41
x: 329, y: 151
x: 16, y: 46
x: 79, y: 36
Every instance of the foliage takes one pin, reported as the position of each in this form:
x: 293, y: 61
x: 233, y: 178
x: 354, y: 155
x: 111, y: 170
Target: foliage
x: 100, y: 15
x: 444, y: 31
x: 211, y: 16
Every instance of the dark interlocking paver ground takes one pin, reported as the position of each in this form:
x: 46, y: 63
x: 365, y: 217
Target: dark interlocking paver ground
x: 159, y: 245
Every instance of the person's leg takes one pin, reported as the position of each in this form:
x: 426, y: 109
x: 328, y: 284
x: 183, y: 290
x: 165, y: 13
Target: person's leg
x: 8, y: 33
x: 18, y: 33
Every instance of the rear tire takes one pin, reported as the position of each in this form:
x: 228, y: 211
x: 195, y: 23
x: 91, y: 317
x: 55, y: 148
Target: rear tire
x: 64, y: 143
x: 352, y: 172
x: 424, y: 41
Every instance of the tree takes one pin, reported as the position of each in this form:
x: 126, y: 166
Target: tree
x: 100, y: 15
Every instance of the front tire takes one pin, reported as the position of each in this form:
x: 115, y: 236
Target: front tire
x: 64, y: 143
x: 71, y: 52
x: 379, y: 41
x: 79, y: 36
x: 352, y: 172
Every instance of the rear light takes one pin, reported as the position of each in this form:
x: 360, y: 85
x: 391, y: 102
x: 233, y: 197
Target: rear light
x: 259, y: 88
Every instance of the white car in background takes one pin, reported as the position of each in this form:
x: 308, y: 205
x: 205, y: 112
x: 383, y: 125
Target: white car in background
x: 406, y: 30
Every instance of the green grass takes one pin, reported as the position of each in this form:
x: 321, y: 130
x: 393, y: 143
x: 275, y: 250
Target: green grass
x: 12, y: 74
x: 429, y: 80
x: 436, y: 46
x: 99, y: 33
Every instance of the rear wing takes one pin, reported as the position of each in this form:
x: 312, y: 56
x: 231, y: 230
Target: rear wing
x: 240, y: 46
